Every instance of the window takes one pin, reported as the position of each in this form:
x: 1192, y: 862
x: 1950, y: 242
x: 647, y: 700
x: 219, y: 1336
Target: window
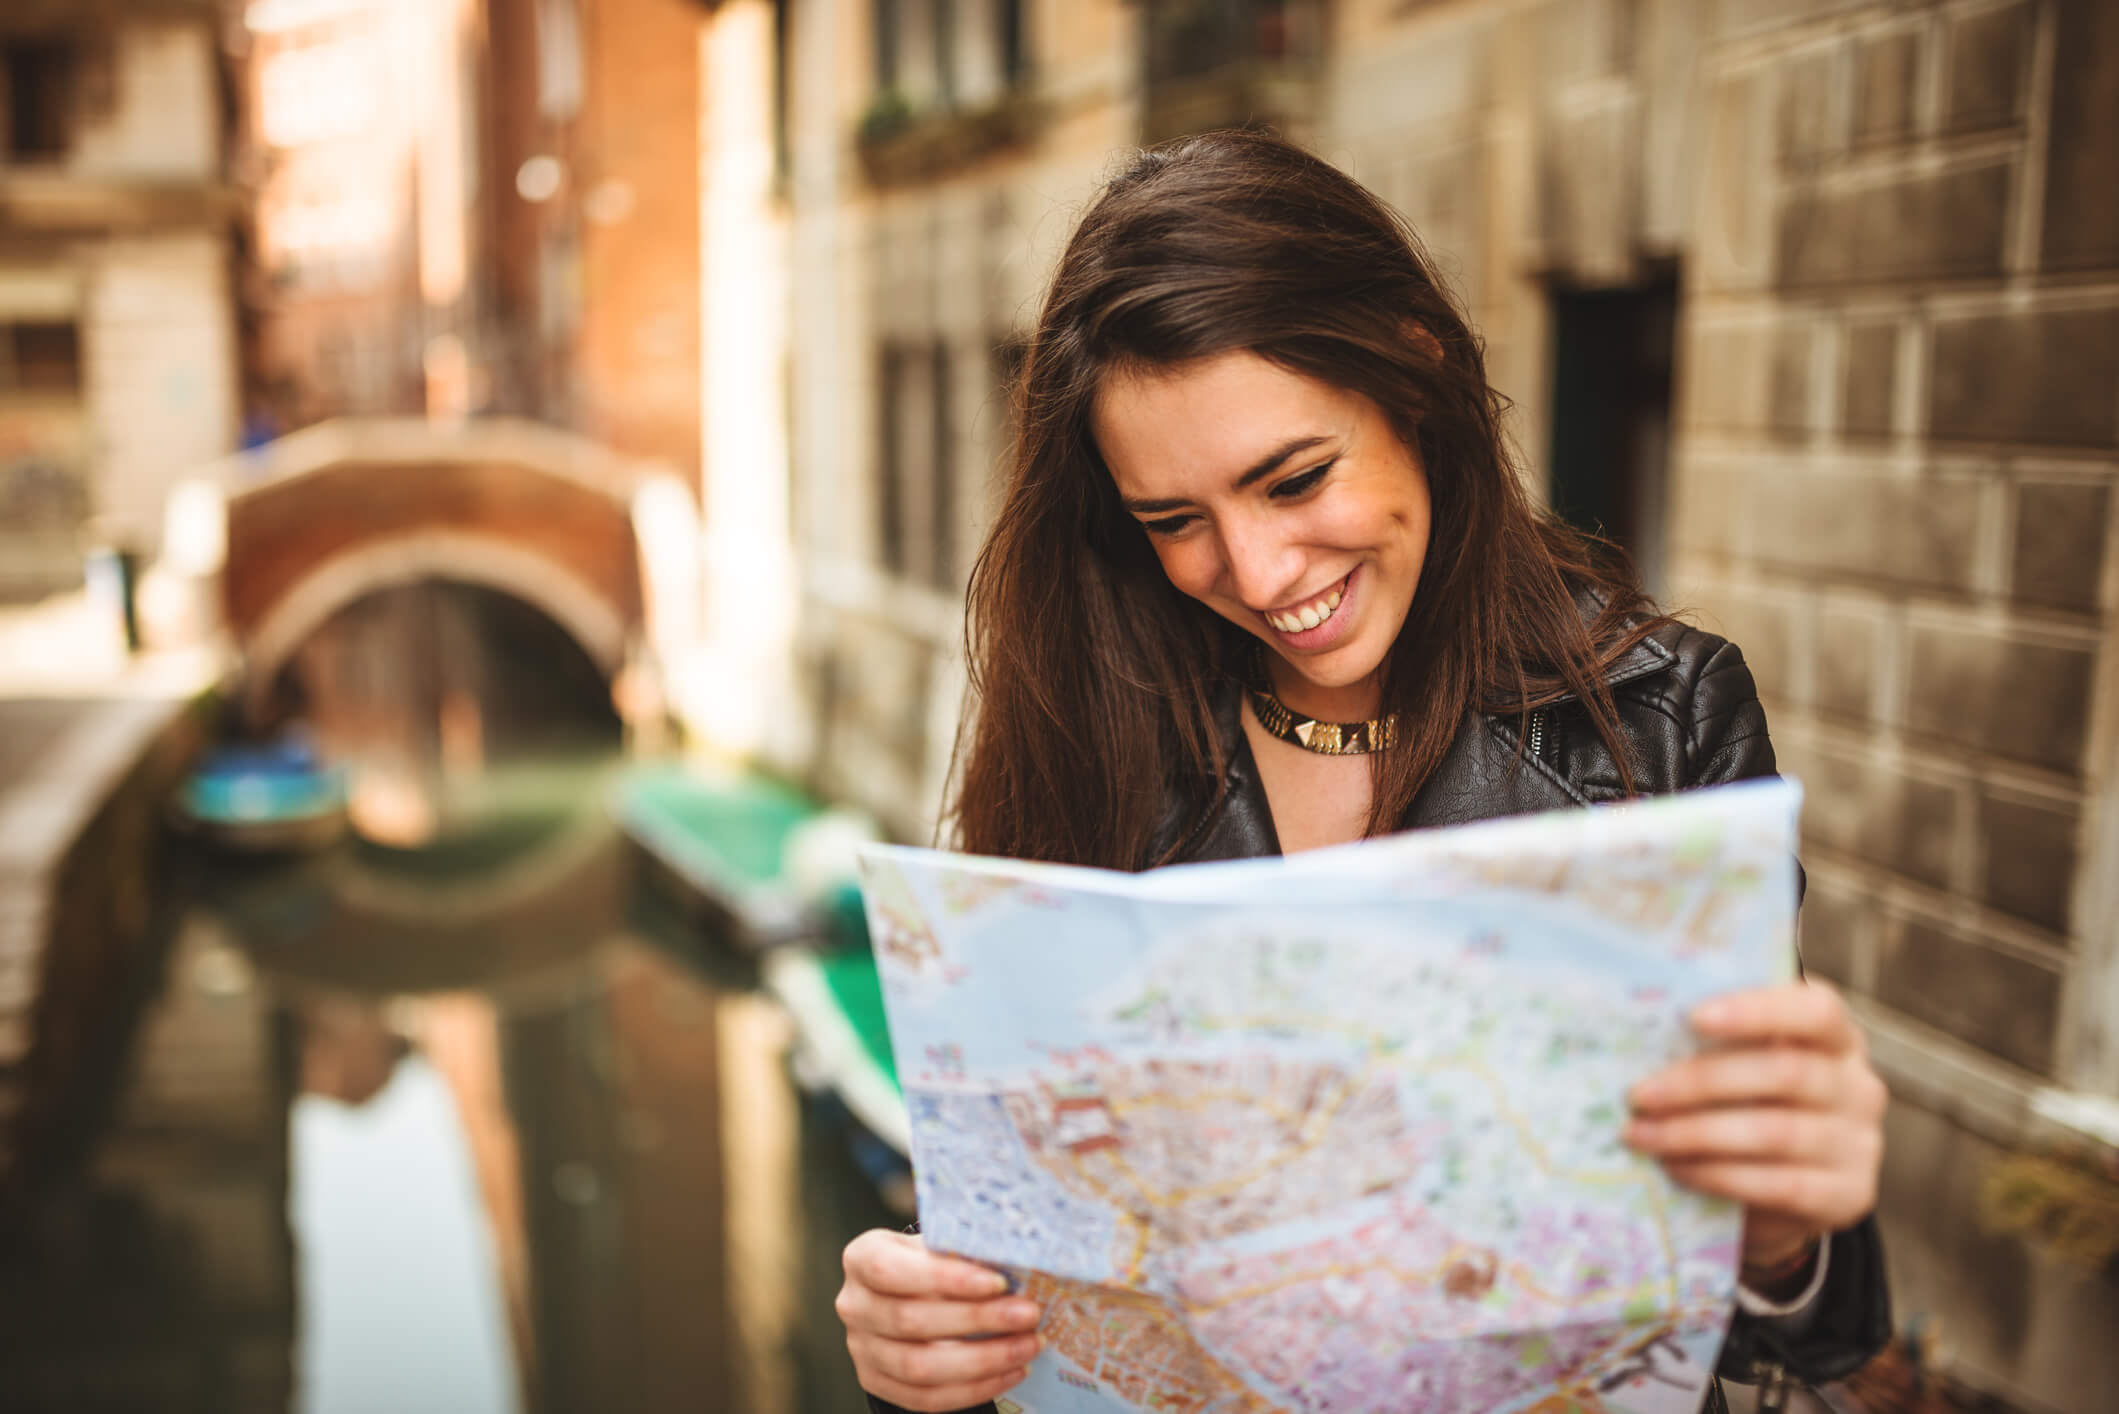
x: 1611, y: 415
x: 884, y: 26
x: 559, y: 69
x: 1229, y: 63
x: 1015, y: 54
x: 948, y: 54
x: 40, y: 357
x: 39, y: 79
x: 943, y: 21
x: 783, y: 75
x: 893, y: 462
x: 917, y: 489
x: 1189, y: 38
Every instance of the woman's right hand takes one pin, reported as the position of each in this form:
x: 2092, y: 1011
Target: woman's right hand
x: 912, y: 1317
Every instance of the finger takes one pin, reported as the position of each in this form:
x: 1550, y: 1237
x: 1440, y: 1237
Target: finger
x: 1771, y: 1074
x: 1806, y: 1013
x: 930, y: 1364
x: 900, y: 1318
x: 940, y: 1401
x: 1824, y: 1198
x: 1774, y: 1133
x: 899, y: 1264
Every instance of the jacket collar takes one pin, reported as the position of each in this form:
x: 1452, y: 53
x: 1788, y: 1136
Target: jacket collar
x: 1484, y: 774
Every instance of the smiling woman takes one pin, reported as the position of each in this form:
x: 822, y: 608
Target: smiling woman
x: 1247, y: 392
x: 1265, y: 578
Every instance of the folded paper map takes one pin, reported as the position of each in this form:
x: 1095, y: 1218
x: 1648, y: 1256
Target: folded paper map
x: 1338, y: 1133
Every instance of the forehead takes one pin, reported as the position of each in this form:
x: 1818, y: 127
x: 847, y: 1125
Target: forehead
x: 1197, y: 427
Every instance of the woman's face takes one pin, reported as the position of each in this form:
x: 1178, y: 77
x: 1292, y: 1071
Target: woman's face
x: 1288, y: 506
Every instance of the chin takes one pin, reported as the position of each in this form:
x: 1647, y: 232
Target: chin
x: 1338, y: 669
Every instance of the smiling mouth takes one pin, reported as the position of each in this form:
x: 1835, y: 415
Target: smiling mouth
x: 1309, y: 614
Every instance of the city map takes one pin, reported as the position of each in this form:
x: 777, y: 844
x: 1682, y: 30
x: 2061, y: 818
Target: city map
x: 1338, y: 1133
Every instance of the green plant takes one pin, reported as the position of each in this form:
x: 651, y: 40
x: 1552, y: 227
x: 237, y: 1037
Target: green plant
x: 889, y: 114
x: 2065, y: 1203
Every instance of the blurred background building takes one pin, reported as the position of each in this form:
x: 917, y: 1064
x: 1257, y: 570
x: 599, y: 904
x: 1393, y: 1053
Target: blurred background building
x: 118, y: 226
x: 1813, y: 304
x: 475, y: 207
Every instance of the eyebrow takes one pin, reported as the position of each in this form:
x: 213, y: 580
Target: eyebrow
x: 1263, y: 467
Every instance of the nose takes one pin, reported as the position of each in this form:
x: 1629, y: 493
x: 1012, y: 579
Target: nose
x: 1263, y: 565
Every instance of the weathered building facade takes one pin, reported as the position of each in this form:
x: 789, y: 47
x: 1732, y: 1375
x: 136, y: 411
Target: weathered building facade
x: 118, y: 362
x: 1815, y: 303
x: 475, y: 207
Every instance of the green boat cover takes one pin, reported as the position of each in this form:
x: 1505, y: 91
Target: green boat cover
x: 728, y: 837
x: 851, y: 975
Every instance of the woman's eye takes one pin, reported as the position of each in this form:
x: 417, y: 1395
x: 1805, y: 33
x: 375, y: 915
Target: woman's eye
x: 1296, y: 485
x: 1168, y: 525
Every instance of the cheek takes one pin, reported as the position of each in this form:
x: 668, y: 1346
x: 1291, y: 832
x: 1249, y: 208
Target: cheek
x: 1192, y: 565
x: 1409, y: 529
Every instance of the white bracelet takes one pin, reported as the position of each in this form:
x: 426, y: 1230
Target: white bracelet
x: 1756, y: 1305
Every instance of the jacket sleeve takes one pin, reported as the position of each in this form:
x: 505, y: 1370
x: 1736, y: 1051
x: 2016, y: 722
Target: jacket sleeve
x: 877, y: 1405
x: 1851, y: 1317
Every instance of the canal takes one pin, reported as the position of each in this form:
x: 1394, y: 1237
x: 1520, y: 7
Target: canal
x: 460, y: 1114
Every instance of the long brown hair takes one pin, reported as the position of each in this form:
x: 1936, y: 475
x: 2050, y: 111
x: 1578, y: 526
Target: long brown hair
x: 1094, y: 677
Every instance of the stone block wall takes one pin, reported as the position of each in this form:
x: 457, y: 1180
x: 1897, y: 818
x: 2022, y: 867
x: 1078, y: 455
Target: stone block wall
x: 1897, y: 441
x: 1896, y: 454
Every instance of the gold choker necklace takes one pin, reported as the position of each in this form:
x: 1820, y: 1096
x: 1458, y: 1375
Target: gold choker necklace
x: 1324, y: 738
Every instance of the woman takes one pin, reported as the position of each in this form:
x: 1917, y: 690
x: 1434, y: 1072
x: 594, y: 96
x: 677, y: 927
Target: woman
x: 1265, y: 579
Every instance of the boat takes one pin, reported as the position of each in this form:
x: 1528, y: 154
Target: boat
x: 277, y: 797
x: 771, y: 872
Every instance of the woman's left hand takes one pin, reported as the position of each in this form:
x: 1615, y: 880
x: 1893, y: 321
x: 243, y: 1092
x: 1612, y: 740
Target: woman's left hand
x: 1782, y: 1113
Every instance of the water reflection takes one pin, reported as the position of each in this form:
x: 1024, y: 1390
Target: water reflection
x: 451, y: 1134
x: 401, y: 1305
x: 480, y: 1124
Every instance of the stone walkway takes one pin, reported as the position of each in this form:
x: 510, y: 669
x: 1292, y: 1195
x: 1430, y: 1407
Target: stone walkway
x: 77, y: 714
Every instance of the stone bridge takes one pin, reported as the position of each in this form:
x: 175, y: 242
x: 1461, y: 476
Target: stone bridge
x: 301, y: 528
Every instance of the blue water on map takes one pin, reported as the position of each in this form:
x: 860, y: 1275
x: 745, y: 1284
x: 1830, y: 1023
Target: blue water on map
x: 1029, y: 972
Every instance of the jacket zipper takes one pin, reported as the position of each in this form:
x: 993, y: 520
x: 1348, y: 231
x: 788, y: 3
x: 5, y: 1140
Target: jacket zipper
x: 1537, y: 735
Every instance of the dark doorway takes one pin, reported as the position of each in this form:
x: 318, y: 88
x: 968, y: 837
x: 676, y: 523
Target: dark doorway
x: 1612, y: 355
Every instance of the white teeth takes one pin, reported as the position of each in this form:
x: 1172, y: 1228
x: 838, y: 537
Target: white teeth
x: 1308, y: 616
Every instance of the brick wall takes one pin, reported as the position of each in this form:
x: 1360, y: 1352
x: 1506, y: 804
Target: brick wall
x: 637, y: 163
x: 1896, y: 488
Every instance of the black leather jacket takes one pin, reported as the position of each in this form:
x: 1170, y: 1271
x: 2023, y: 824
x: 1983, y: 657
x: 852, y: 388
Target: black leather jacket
x: 1691, y: 716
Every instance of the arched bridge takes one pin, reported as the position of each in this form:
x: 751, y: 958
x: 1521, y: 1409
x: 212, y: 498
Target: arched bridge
x: 328, y: 515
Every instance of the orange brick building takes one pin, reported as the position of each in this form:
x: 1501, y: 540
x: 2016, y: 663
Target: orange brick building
x: 477, y: 206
